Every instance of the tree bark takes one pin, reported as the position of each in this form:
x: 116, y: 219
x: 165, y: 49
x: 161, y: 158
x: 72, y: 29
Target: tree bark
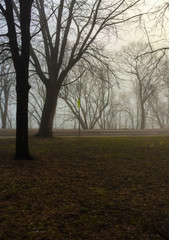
x: 21, y: 64
x: 20, y: 50
x: 48, y: 112
x: 22, y: 145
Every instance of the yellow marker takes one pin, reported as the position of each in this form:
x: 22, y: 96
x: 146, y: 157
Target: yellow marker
x: 78, y: 103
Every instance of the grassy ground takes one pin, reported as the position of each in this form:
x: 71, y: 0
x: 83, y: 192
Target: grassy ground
x: 86, y: 188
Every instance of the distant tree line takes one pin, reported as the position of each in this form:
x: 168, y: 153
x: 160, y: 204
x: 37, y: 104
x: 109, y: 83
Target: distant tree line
x: 133, y: 92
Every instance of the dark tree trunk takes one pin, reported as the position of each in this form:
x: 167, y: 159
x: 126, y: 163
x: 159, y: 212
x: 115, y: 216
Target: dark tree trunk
x: 20, y: 55
x: 22, y: 146
x: 22, y: 91
x: 48, y: 112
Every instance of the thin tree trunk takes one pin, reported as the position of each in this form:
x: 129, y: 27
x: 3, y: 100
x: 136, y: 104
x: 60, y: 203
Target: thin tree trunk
x: 4, y: 121
x: 5, y: 113
x: 4, y: 109
x: 3, y: 117
x: 142, y: 116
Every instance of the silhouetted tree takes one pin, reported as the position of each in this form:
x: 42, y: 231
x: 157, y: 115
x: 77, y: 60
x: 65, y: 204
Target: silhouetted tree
x: 76, y: 25
x: 20, y: 51
x: 6, y: 81
x: 143, y: 71
x: 94, y: 89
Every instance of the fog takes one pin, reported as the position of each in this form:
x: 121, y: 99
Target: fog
x: 122, y: 109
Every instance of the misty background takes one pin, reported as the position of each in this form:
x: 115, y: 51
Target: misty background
x: 123, y: 82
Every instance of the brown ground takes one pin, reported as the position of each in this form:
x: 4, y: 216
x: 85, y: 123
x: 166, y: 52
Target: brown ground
x: 86, y: 188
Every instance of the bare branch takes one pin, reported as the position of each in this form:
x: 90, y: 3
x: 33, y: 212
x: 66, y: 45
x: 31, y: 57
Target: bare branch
x: 5, y: 60
x: 66, y: 84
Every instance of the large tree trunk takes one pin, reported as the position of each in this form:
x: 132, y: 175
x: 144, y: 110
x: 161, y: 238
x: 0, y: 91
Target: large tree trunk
x: 20, y: 49
x: 48, y: 112
x: 22, y: 90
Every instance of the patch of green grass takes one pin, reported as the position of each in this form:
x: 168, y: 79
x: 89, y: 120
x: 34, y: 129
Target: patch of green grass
x: 85, y: 188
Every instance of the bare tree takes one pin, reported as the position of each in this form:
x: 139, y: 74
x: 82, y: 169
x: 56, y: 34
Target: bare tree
x: 6, y: 81
x: 144, y: 71
x: 89, y: 98
x: 155, y: 26
x: 159, y: 104
x: 75, y: 27
x: 36, y: 100
x: 159, y: 111
x: 128, y: 110
x: 19, y: 46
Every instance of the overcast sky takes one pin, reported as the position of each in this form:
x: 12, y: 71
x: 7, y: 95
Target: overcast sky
x: 132, y: 32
